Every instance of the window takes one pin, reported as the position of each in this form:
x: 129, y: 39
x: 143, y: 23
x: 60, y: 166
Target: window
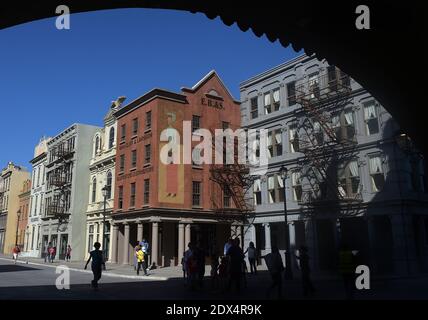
x: 38, y: 176
x: 349, y: 180
x: 271, y: 101
x: 332, y: 78
x: 90, y: 238
x: 314, y: 88
x: 122, y: 163
x: 257, y: 192
x: 111, y: 138
x: 148, y: 120
x: 294, y: 139
x: 123, y: 133
x: 109, y: 184
x: 291, y: 93
x: 196, y: 193
x: 274, y: 143
x: 226, y: 197
x: 133, y: 159
x: 135, y: 126
x: 371, y: 118
x: 318, y: 134
x: 343, y: 125
x: 146, y: 191
x: 196, y: 123
x: 376, y: 173
x: 275, y: 188
x: 120, y: 198
x: 147, y: 153
x: 196, y: 157
x: 94, y: 189
x: 132, y: 199
x: 296, y: 183
x: 35, y: 205
x: 97, y: 145
x: 254, y: 107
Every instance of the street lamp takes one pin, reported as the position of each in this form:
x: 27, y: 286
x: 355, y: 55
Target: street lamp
x: 17, y: 226
x: 283, y: 171
x: 104, y: 190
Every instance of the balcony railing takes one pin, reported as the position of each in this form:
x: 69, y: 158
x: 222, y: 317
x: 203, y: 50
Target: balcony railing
x: 323, y: 87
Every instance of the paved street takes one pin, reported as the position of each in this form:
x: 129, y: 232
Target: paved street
x: 36, y: 280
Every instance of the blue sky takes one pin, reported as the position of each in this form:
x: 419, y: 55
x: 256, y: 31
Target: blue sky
x: 52, y: 78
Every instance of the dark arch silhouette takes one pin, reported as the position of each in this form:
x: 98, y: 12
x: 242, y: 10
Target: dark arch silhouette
x: 389, y: 60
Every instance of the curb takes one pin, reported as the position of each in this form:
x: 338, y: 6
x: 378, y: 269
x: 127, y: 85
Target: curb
x: 107, y: 274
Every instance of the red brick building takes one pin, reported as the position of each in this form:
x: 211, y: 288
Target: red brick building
x: 169, y: 204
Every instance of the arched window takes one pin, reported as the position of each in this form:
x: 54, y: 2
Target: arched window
x: 94, y: 189
x: 111, y: 138
x: 97, y: 145
x: 109, y: 180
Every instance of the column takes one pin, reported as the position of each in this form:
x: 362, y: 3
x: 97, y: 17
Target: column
x: 139, y: 231
x: 155, y: 243
x: 114, y: 228
x: 126, y: 244
x: 188, y: 235
x: 181, y: 243
x: 268, y: 246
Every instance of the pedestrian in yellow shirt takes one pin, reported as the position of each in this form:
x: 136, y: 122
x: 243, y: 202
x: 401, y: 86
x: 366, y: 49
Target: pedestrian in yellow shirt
x: 139, y: 254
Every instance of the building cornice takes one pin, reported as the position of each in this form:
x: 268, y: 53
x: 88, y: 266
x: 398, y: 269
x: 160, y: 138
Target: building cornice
x: 149, y: 96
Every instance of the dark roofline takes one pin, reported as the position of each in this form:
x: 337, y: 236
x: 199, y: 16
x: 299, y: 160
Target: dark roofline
x: 147, y: 97
x: 40, y: 156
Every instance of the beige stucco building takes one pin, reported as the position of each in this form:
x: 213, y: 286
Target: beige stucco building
x: 13, y: 177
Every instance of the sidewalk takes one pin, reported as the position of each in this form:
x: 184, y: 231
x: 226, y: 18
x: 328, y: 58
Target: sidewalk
x: 166, y: 273
x: 115, y: 270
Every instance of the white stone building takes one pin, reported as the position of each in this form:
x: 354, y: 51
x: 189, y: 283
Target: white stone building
x: 102, y: 172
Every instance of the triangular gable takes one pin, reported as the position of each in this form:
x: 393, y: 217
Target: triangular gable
x: 204, y: 80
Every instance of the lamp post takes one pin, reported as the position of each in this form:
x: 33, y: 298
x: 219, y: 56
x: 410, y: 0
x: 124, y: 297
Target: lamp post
x: 17, y: 226
x: 283, y: 171
x: 104, y: 190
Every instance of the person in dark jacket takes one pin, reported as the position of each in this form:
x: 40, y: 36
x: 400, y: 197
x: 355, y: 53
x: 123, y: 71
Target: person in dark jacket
x: 303, y: 258
x: 97, y: 258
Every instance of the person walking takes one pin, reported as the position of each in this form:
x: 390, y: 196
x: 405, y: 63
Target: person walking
x: 145, y: 247
x: 68, y: 253
x: 15, y: 253
x: 236, y: 257
x: 303, y: 258
x: 97, y: 263
x: 186, y: 260
x: 136, y: 248
x: 200, y: 257
x: 214, y: 271
x: 223, y: 274
x: 252, y: 256
x: 275, y: 267
x: 227, y: 246
x: 47, y: 253
x: 51, y: 254
x: 140, y: 261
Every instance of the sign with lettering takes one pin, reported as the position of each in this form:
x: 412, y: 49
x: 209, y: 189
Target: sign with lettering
x: 212, y: 103
x: 135, y: 141
x: 134, y: 173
